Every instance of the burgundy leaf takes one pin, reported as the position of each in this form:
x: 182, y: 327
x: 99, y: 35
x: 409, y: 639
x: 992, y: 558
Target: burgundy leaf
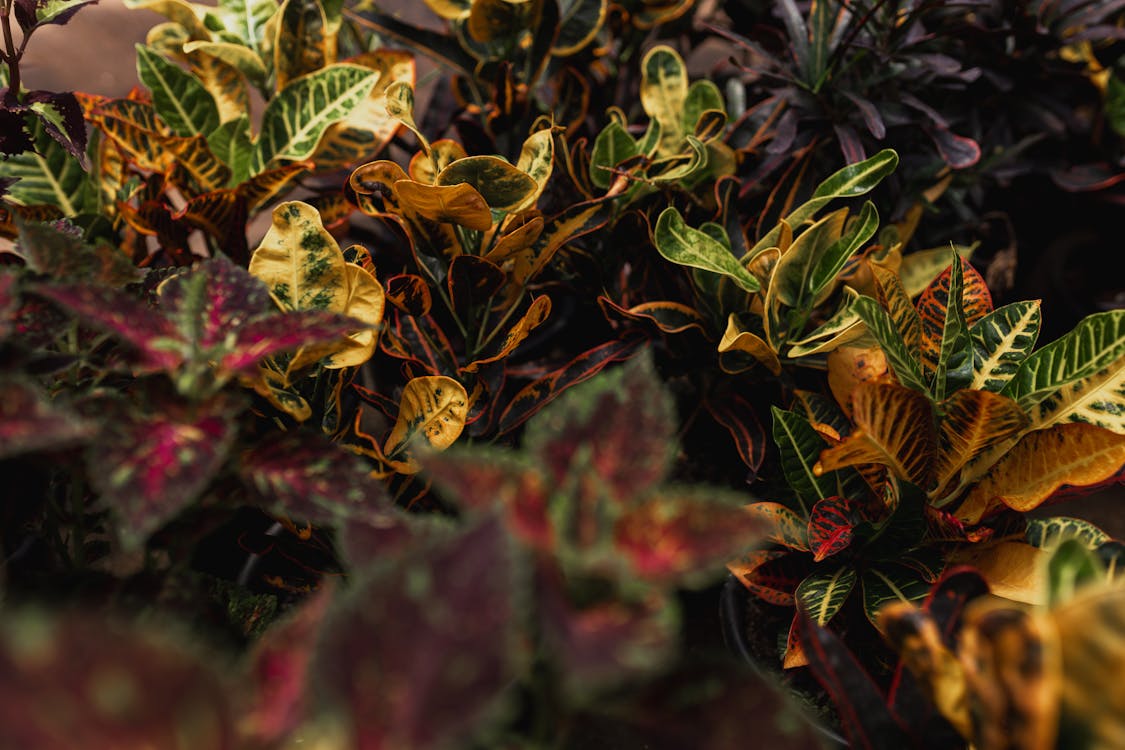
x: 831, y: 524
x: 213, y: 299
x: 850, y: 144
x: 740, y: 419
x: 421, y: 650
x: 493, y: 482
x: 65, y: 124
x: 56, y: 249
x: 1087, y: 177
x: 15, y: 138
x: 29, y: 422
x: 410, y: 294
x: 279, y: 668
x: 150, y: 467
x: 957, y: 151
x: 602, y: 644
x: 73, y: 681
x: 153, y: 335
x: 365, y: 541
x: 623, y: 424
x: 285, y: 332
x: 871, y: 117
x: 473, y: 281
x: 31, y: 13
x: 684, y: 537
x: 309, y: 478
x: 863, y: 712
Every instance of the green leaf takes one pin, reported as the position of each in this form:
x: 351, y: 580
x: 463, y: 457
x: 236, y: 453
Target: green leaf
x: 57, y: 11
x: 844, y: 326
x: 612, y: 146
x: 1072, y: 565
x: 821, y: 595
x: 702, y: 95
x: 685, y: 246
x: 246, y: 19
x: 48, y: 176
x: 1095, y: 344
x: 824, y: 270
x: 500, y: 184
x: 955, y: 360
x: 800, y: 446
x: 579, y: 23
x: 901, y: 359
x: 851, y: 181
x: 180, y: 99
x: 1001, y: 341
x: 1115, y: 103
x: 230, y: 143
x: 891, y: 583
x: 295, y: 120
x: 664, y: 89
x: 1047, y: 532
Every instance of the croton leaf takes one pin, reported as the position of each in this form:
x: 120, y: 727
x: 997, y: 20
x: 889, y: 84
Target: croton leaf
x: 891, y: 583
x: 943, y: 326
x: 1001, y: 341
x: 971, y: 423
x: 460, y: 204
x: 1047, y: 532
x: 399, y: 654
x: 850, y: 182
x: 29, y: 422
x: 680, y: 537
x: 64, y: 677
x: 149, y: 467
x: 433, y: 409
x: 299, y: 261
x: 781, y: 525
x: 297, y: 117
x: 502, y: 185
x: 612, y: 146
x: 49, y: 175
x: 800, y: 447
x: 831, y: 526
x: 822, y: 594
x: 537, y: 394
x: 1042, y: 462
x: 625, y: 424
x: 532, y: 318
x: 894, y: 428
x: 901, y: 358
x: 685, y: 246
x: 181, y: 100
x: 664, y: 87
x: 739, y: 418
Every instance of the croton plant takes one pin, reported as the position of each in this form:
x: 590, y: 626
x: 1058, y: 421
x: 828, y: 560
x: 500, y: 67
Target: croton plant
x: 344, y: 406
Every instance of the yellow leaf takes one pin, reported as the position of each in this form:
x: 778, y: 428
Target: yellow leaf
x: 783, y: 526
x: 459, y: 204
x: 432, y: 409
x: 894, y: 428
x: 973, y: 422
x: 424, y: 167
x: 1014, y: 570
x: 300, y: 262
x: 736, y: 340
x: 365, y: 302
x: 849, y: 366
x: 1041, y: 462
x: 536, y: 313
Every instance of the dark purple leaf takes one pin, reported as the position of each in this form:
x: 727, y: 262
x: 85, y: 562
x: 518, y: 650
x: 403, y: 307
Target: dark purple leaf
x: 29, y: 422
x: 624, y: 424
x: 784, y: 134
x: 279, y: 667
x: 871, y: 117
x: 957, y: 151
x: 863, y: 713
x: 73, y: 681
x: 1087, y: 177
x: 15, y: 137
x: 685, y: 537
x: 736, y: 414
x: 148, y: 468
x: 116, y: 312
x: 309, y: 478
x: 62, y: 119
x: 915, y: 103
x: 421, y: 649
x: 32, y: 13
x: 605, y: 643
x: 850, y: 144
x: 538, y: 394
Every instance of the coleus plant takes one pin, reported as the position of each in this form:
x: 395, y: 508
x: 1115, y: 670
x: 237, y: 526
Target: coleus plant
x: 944, y: 417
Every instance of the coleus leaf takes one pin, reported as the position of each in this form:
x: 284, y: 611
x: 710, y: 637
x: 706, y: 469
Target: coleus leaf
x: 61, y: 117
x: 52, y: 249
x: 29, y: 422
x: 161, y: 462
x: 32, y: 13
x: 399, y: 654
x: 68, y: 676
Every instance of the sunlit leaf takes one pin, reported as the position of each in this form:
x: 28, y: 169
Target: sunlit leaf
x: 300, y: 262
x: 432, y: 409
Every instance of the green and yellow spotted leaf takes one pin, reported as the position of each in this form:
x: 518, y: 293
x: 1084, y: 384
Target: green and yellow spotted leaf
x: 781, y: 525
x: 295, y: 120
x: 1002, y: 340
x: 891, y: 583
x: 664, y: 88
x: 821, y: 595
x: 432, y: 409
x: 303, y: 44
x: 300, y: 262
x: 502, y: 185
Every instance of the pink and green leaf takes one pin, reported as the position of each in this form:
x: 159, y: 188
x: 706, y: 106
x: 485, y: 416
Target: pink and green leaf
x: 29, y: 422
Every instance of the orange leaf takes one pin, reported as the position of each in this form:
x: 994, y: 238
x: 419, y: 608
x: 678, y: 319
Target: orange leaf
x: 781, y: 524
x: 849, y: 366
x: 1013, y: 570
x: 1075, y: 454
x: 973, y: 422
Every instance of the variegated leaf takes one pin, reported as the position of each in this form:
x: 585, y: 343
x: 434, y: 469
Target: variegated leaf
x: 781, y: 525
x: 893, y: 297
x: 737, y: 340
x: 935, y: 311
x: 894, y: 428
x: 686, y: 246
x: 831, y: 526
x: 1001, y: 341
x: 431, y: 409
x: 1043, y: 461
x: 664, y: 88
x: 297, y: 117
x: 1047, y: 532
x: 800, y: 447
x: 901, y: 358
x: 821, y: 595
x: 891, y: 583
x: 502, y: 185
x: 973, y: 422
x: 300, y: 262
x: 49, y: 175
x: 303, y: 43
x: 181, y: 100
x: 246, y: 19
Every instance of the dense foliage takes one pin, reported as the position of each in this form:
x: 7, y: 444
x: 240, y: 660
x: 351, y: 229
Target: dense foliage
x: 427, y: 412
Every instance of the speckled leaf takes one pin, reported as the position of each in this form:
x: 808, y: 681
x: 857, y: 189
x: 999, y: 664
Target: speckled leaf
x: 831, y: 525
x: 1097, y: 399
x: 304, y: 43
x: 622, y: 424
x: 410, y: 294
x: 781, y: 524
x: 297, y: 117
x: 536, y: 313
x: 664, y: 87
x: 894, y: 428
x: 800, y: 447
x: 238, y: 56
x: 1001, y: 341
x: 364, y: 302
x: 685, y: 246
x: 30, y: 423
x: 973, y: 422
x: 1041, y: 463
x: 149, y: 468
x: 502, y: 185
x: 851, y: 181
x: 309, y: 478
x: 61, y: 254
x: 821, y: 595
x: 72, y: 675
x: 612, y: 146
x: 1048, y: 532
x: 399, y: 653
x: 181, y: 100
x: 300, y: 262
x: 459, y: 204
x: 431, y: 409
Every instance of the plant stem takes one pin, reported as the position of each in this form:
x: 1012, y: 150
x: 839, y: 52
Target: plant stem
x: 11, y: 54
